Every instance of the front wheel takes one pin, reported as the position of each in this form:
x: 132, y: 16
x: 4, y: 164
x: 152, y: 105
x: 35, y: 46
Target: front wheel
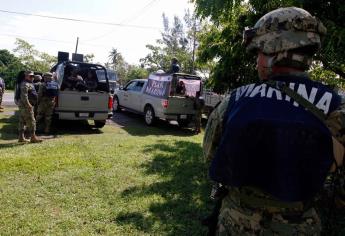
x: 149, y: 115
x: 99, y: 123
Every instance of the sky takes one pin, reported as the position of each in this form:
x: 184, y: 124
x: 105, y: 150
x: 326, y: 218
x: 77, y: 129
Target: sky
x: 140, y: 20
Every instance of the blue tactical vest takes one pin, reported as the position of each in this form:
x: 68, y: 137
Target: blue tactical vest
x: 272, y: 143
x: 52, y: 89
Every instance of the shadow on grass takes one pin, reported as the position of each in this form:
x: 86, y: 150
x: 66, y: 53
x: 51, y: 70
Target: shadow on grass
x: 184, y: 188
x: 134, y: 123
x: 9, y: 129
x: 62, y: 127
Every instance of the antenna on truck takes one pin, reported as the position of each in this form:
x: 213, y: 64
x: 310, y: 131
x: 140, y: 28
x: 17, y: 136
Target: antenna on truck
x: 76, y: 46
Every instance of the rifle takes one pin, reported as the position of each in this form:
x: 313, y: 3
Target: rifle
x: 217, y: 195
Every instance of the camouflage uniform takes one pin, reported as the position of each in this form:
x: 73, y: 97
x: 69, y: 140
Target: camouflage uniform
x: 37, y: 83
x: 250, y: 211
x: 46, y: 103
x: 198, y: 105
x: 2, y: 90
x: 26, y: 103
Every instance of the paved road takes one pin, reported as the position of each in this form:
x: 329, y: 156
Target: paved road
x: 8, y: 99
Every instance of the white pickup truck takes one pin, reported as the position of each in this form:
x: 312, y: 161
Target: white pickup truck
x: 86, y: 103
x: 159, y: 97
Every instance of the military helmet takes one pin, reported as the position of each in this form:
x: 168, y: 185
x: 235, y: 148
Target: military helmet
x: 284, y: 29
x: 47, y: 75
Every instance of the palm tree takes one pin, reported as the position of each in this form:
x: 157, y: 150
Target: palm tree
x: 114, y: 57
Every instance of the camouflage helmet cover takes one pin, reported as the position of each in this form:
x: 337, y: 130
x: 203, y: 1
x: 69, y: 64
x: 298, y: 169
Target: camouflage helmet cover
x: 284, y: 29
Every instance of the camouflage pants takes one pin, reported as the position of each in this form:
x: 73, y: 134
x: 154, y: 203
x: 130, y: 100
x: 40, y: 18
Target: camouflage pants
x: 26, y: 119
x: 236, y: 220
x: 1, y: 95
x: 45, y: 111
x: 197, y: 120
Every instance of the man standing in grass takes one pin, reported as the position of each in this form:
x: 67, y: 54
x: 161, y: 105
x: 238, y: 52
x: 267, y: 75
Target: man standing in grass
x: 2, y: 91
x: 47, y: 94
x: 27, y: 99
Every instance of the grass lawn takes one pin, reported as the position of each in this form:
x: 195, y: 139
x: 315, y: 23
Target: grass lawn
x: 132, y: 180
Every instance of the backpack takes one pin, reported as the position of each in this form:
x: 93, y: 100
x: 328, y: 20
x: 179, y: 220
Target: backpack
x: 20, y: 77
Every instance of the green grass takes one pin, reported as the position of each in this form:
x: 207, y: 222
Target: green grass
x: 120, y: 181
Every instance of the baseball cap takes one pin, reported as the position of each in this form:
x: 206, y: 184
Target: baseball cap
x: 29, y: 72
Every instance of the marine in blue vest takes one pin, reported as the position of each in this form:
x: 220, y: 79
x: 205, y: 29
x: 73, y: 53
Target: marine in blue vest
x: 270, y: 153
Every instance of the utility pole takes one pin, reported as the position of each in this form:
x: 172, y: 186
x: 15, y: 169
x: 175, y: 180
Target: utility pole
x: 194, y: 45
x: 76, y: 46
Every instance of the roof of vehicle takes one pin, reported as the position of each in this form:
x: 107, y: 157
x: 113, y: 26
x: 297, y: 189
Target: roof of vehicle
x: 82, y: 64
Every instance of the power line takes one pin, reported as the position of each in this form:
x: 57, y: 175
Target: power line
x: 81, y: 20
x: 135, y: 15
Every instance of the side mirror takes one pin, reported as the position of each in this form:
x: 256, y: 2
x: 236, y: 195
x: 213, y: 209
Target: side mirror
x: 121, y: 87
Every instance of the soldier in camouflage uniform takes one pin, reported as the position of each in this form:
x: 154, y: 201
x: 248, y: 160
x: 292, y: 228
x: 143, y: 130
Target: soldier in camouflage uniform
x: 28, y: 97
x: 47, y: 94
x: 198, y: 105
x: 2, y: 91
x: 248, y: 136
x: 37, y: 82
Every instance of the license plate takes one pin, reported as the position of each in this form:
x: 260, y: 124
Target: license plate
x: 183, y: 116
x: 83, y: 114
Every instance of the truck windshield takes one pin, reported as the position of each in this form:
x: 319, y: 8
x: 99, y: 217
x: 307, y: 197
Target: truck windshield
x: 111, y: 75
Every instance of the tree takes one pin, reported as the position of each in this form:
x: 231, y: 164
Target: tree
x: 33, y: 59
x: 136, y: 72
x: 222, y: 40
x: 115, y: 58
x: 10, y: 66
x: 118, y: 64
x: 88, y: 58
x: 178, y: 40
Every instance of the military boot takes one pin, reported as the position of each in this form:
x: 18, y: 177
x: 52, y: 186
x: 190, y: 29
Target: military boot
x: 35, y: 139
x: 22, y: 138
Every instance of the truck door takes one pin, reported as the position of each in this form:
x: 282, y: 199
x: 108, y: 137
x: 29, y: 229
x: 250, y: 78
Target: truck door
x: 136, y: 96
x: 127, y: 91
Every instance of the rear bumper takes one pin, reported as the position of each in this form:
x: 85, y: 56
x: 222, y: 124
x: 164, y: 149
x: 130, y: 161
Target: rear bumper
x: 82, y: 115
x: 178, y: 116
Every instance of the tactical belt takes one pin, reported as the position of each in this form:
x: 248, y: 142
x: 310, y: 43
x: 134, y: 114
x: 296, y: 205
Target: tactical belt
x: 338, y: 148
x: 268, y: 204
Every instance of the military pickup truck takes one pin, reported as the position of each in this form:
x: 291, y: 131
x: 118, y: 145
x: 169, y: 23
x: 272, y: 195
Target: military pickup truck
x: 86, y: 97
x: 160, y: 96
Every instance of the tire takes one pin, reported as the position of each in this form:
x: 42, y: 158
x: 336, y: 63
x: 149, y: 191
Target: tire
x: 116, y: 104
x: 149, y: 115
x: 183, y: 123
x: 99, y: 123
